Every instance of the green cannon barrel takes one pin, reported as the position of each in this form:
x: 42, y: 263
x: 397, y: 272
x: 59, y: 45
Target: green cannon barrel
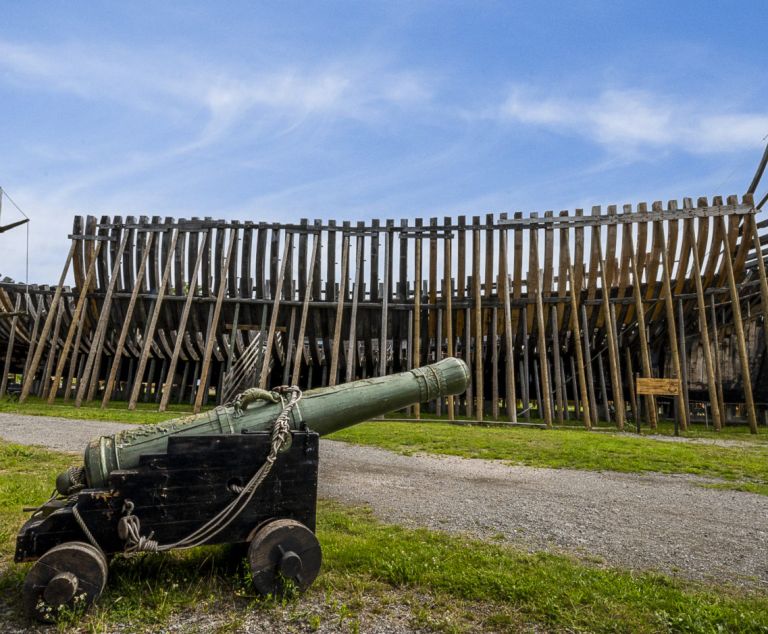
x: 324, y: 410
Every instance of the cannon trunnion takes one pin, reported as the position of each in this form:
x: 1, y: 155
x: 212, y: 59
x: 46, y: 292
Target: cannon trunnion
x: 173, y: 494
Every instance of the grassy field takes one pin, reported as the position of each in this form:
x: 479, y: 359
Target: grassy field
x: 443, y: 583
x: 742, y: 466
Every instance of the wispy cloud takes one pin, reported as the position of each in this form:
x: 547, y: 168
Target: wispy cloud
x: 626, y: 121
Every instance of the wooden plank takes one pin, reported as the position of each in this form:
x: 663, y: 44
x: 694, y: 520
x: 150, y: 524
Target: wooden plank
x: 556, y: 369
x: 494, y: 342
x: 149, y: 335
x: 33, y: 340
x: 761, y: 276
x: 52, y: 311
x: 45, y: 383
x: 658, y: 387
x: 180, y: 333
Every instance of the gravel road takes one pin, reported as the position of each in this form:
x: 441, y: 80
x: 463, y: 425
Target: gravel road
x: 661, y: 522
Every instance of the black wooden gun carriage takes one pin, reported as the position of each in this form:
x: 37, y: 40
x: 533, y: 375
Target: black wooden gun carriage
x: 243, y: 473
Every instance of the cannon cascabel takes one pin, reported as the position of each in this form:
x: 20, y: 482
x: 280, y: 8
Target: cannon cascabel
x: 324, y: 410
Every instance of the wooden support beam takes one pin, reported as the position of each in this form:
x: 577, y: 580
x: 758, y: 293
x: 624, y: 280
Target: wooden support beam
x: 448, y: 298
x: 556, y: 365
x: 645, y: 355
x: 9, y: 351
x: 180, y: 333
x: 509, y: 358
x: 76, y: 316
x: 741, y: 341
x: 127, y: 325
x: 305, y: 312
x: 580, y: 361
x: 52, y: 311
x: 613, y: 362
x: 477, y: 320
x: 333, y: 374
x: 671, y: 330
x: 761, y: 275
x: 202, y: 392
x: 101, y: 326
x: 417, y: 313
x: 356, y: 293
x: 545, y: 388
x: 149, y: 335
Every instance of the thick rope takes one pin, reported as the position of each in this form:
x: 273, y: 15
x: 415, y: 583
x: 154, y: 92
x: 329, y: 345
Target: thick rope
x: 130, y: 525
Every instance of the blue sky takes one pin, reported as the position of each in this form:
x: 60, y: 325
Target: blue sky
x: 284, y: 110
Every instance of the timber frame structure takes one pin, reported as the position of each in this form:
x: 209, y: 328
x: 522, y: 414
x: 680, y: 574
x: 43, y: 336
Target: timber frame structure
x: 557, y: 315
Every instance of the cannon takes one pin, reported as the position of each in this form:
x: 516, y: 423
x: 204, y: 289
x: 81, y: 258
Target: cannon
x: 243, y: 473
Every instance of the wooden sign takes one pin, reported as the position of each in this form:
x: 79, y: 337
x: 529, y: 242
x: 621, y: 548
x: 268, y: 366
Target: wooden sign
x: 658, y: 387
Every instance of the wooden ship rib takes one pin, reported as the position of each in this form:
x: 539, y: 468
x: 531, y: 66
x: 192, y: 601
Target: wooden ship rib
x: 557, y: 314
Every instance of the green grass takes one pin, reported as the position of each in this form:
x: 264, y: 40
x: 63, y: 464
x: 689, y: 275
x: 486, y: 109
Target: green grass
x: 740, y: 466
x: 447, y: 583
x: 117, y: 411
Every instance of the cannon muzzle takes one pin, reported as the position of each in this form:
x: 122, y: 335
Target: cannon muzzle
x: 324, y: 410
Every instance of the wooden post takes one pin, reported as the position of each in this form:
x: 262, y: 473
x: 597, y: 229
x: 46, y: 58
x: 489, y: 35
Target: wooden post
x: 525, y: 374
x: 761, y: 276
x: 631, y: 383
x: 683, y: 358
x: 448, y: 298
x: 588, y: 366
x: 98, y: 338
x: 182, y: 328
x: 477, y: 320
x: 613, y: 363
x: 52, y: 311
x: 76, y: 316
x: 385, y: 300
x: 273, y: 318
x: 417, y: 314
x: 333, y: 375
x: 645, y: 355
x: 545, y: 389
x: 739, y: 331
x: 494, y: 341
x: 211, y: 334
x: 150, y: 333
x: 11, y: 338
x: 672, y: 332
x: 556, y: 365
x: 511, y: 396
x: 580, y: 363
x: 356, y: 291
x: 305, y: 312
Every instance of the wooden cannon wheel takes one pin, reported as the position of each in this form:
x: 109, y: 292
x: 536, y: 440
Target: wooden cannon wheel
x: 72, y: 574
x: 283, y: 550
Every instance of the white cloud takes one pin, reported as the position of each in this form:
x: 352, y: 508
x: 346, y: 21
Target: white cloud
x: 626, y: 121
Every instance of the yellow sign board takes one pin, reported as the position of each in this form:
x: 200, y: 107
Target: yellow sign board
x: 658, y: 387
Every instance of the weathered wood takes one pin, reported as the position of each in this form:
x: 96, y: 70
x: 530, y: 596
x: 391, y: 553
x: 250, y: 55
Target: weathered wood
x: 509, y: 359
x: 333, y: 374
x: 180, y: 332
x: 101, y: 325
x: 264, y: 375
x: 305, y: 312
x: 543, y: 353
x: 417, y: 313
x: 83, y: 295
x: 11, y: 341
x: 448, y: 299
x: 740, y: 339
x: 149, y: 335
x: 210, y: 335
x: 477, y: 320
x: 356, y: 293
x: 704, y: 334
x: 33, y: 366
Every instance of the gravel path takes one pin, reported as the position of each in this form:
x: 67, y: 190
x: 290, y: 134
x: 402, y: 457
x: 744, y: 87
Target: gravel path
x: 649, y: 521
